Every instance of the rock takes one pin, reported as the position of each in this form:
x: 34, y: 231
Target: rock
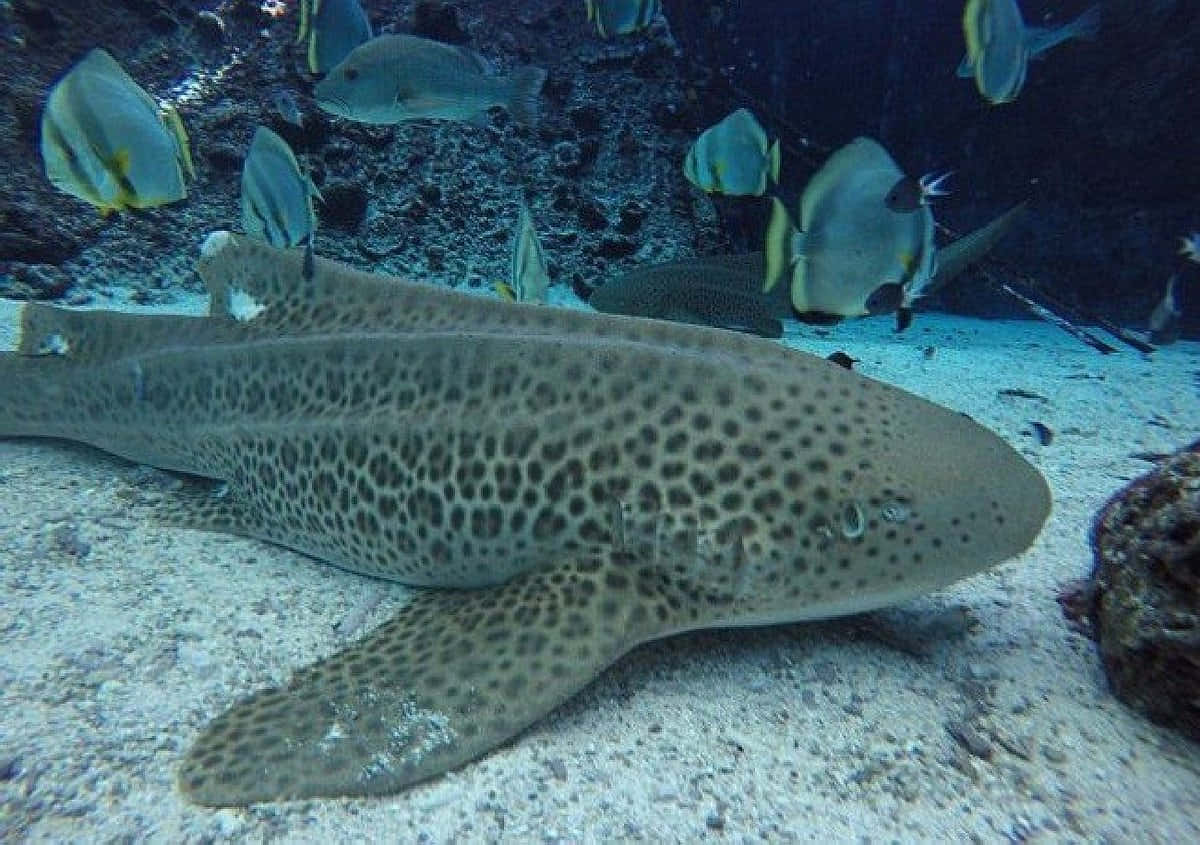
x: 210, y: 28
x: 345, y: 205
x: 439, y: 21
x: 40, y: 281
x: 1143, y: 599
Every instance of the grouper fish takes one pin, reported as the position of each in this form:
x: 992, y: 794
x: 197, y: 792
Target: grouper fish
x: 563, y: 485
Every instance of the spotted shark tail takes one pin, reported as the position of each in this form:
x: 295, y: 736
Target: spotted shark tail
x: 453, y: 675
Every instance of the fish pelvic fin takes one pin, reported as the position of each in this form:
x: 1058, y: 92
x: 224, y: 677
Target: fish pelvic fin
x: 453, y: 675
x: 306, y: 14
x: 174, y: 124
x: 525, y: 87
x: 778, y: 252
x: 773, y: 160
x: 506, y: 291
x: 972, y: 27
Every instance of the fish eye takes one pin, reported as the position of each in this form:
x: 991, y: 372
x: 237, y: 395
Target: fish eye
x: 351, y: 74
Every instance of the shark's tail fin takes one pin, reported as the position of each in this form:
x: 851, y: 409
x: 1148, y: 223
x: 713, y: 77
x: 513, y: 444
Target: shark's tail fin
x: 455, y: 674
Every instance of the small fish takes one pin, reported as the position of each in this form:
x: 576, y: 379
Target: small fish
x: 1000, y: 45
x: 284, y: 105
x: 852, y: 254
x: 394, y: 78
x: 909, y: 194
x: 277, y: 199
x: 107, y: 142
x: 842, y: 360
x: 733, y: 157
x: 332, y: 29
x: 1189, y: 247
x: 1043, y: 432
x: 529, y: 279
x: 1164, y: 319
x: 622, y: 17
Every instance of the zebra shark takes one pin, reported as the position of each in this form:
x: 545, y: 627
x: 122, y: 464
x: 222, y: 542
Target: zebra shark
x: 562, y: 486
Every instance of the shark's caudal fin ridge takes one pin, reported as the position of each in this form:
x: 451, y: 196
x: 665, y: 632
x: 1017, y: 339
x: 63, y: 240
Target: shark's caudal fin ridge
x: 455, y: 674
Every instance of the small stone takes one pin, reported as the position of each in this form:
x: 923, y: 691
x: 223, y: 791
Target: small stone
x: 1053, y: 753
x: 970, y: 739
x: 195, y: 659
x: 10, y: 768
x: 558, y: 768
x: 210, y: 28
x: 715, y: 820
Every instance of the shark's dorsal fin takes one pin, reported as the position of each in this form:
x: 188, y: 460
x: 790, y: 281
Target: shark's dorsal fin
x: 265, y: 290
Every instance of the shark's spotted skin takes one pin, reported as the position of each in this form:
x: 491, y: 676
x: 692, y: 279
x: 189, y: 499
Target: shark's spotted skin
x: 600, y: 481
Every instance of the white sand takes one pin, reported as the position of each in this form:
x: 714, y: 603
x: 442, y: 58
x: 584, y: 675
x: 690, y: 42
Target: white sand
x: 122, y: 638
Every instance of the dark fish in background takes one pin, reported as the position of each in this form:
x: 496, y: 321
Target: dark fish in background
x: 284, y: 105
x: 622, y: 17
x: 1000, y: 45
x: 332, y: 29
x: 394, y: 78
x: 1164, y: 319
x: 720, y: 291
x: 1189, y: 247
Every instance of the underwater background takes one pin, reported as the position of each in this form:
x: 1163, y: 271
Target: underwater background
x: 1100, y: 142
x: 979, y: 712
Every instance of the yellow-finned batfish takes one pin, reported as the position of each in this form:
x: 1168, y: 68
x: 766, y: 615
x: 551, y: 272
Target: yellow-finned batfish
x: 853, y: 255
x: 529, y: 278
x: 622, y: 17
x: 1000, y: 45
x: 106, y: 141
x: 1189, y: 247
x: 733, y: 157
x: 394, y: 78
x: 332, y: 29
x: 277, y: 199
x: 1164, y: 319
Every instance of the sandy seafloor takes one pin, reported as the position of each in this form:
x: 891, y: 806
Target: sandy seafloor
x: 973, y: 713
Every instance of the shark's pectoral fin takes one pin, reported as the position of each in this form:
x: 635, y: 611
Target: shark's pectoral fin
x: 452, y: 676
x: 206, y: 504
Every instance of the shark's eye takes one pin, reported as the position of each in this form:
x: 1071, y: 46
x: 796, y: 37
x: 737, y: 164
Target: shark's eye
x: 350, y: 73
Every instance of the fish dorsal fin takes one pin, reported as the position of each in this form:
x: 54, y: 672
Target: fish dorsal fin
x: 476, y: 60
